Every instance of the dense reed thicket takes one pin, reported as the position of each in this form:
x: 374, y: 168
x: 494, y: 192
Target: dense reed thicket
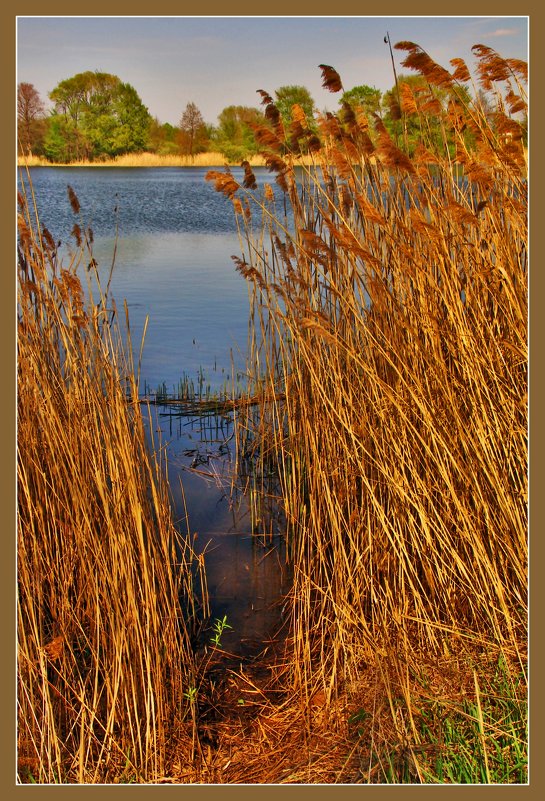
x: 209, y: 159
x: 389, y: 334
x: 105, y: 583
x: 387, y: 409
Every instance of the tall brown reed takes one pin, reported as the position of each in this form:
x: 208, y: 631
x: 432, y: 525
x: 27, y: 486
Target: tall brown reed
x: 389, y: 330
x: 105, y: 587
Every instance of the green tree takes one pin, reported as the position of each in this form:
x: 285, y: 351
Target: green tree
x: 234, y: 135
x: 420, y: 116
x: 130, y: 134
x: 75, y: 96
x: 288, y: 96
x: 107, y: 116
x: 410, y: 126
x: 63, y: 142
x: 366, y: 97
x: 162, y: 138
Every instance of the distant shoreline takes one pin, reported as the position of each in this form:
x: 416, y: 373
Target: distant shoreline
x: 139, y: 160
x: 148, y: 160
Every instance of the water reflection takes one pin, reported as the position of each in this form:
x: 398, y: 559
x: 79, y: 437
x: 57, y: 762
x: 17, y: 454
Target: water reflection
x: 175, y: 238
x: 197, y: 304
x: 246, y: 572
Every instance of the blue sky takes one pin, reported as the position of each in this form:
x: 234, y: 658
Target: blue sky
x: 219, y: 61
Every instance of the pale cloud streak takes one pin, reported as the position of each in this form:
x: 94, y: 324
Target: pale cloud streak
x: 503, y: 32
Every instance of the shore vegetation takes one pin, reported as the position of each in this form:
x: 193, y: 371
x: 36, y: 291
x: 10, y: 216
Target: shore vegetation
x: 389, y: 339
x: 387, y: 417
x: 109, y: 593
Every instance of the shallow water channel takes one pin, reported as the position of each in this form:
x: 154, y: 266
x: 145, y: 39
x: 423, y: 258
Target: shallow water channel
x: 173, y: 237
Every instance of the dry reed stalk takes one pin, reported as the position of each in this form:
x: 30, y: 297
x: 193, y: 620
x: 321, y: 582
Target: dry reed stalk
x: 210, y: 159
x: 390, y: 313
x: 105, y: 582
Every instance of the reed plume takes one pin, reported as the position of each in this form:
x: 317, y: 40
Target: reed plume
x: 106, y: 585
x: 395, y: 332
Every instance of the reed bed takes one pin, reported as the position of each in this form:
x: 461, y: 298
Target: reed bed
x: 209, y: 159
x: 108, y: 591
x: 134, y: 160
x: 386, y: 411
x: 389, y: 334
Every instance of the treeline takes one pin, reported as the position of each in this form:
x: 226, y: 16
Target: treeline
x: 95, y: 117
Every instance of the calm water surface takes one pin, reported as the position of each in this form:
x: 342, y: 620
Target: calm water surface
x: 175, y: 237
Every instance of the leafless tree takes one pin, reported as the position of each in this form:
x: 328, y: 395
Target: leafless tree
x: 30, y: 108
x: 191, y: 125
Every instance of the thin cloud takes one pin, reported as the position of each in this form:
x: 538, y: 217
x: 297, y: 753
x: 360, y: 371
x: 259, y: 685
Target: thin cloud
x: 503, y: 32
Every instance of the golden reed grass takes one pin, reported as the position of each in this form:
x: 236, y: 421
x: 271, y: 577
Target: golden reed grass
x: 389, y: 325
x: 134, y: 160
x: 388, y: 343
x: 209, y: 159
x: 105, y: 583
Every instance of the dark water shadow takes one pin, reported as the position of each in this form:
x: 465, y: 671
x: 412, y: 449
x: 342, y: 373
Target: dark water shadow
x: 247, y: 573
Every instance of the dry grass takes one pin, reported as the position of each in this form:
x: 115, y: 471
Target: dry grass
x: 105, y: 583
x: 390, y: 328
x: 388, y: 346
x: 148, y: 160
x: 134, y: 160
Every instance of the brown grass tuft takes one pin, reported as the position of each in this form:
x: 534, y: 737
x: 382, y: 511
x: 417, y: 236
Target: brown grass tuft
x: 105, y: 588
x: 331, y: 79
x: 389, y: 326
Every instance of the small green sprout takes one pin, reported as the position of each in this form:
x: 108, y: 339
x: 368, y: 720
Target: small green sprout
x: 191, y: 695
x: 218, y: 628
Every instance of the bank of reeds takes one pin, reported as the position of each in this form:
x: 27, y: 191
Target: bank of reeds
x: 389, y: 332
x: 388, y: 356
x: 209, y: 159
x: 107, y: 589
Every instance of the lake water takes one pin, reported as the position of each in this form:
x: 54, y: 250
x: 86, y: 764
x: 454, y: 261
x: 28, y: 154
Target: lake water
x: 176, y: 236
x: 175, y: 239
